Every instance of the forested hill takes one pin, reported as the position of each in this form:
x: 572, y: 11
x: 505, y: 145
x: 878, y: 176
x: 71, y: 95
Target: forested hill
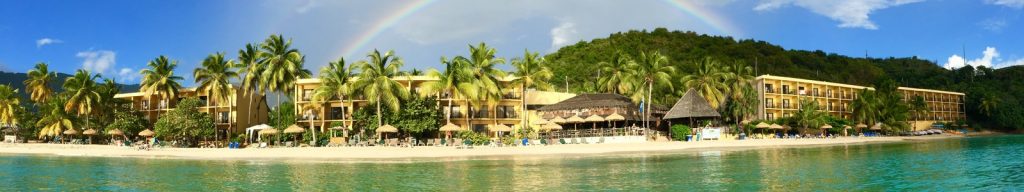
x: 578, y: 63
x: 16, y: 80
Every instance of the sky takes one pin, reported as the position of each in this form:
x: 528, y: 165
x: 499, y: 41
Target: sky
x: 116, y: 38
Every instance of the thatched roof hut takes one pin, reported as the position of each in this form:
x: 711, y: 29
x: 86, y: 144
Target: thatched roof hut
x: 601, y: 104
x: 691, y: 105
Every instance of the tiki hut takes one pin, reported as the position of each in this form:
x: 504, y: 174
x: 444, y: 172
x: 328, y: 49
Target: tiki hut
x: 691, y: 106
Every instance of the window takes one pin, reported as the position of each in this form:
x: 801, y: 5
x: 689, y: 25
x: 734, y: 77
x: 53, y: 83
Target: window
x: 480, y: 113
x: 814, y: 91
x: 768, y: 88
x: 828, y: 93
x: 769, y: 116
x: 456, y: 112
x: 202, y: 100
x: 769, y: 103
x: 785, y: 103
x: 145, y: 105
x: 830, y: 106
x: 223, y: 117
x: 307, y: 94
x: 479, y: 128
x: 506, y: 112
x: 785, y: 89
x: 801, y: 90
x: 337, y: 113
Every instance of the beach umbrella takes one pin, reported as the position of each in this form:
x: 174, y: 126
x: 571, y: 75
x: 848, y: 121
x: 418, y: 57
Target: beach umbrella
x: 539, y: 121
x: 499, y: 128
x: 295, y: 129
x: 270, y: 131
x: 115, y: 132
x: 90, y: 132
x: 615, y: 117
x: 824, y: 127
x: 386, y: 129
x: 551, y: 126
x: 146, y: 133
x: 558, y: 119
x: 71, y: 132
x: 861, y: 125
x: 575, y: 119
x: 775, y: 126
x: 762, y: 125
x: 877, y: 126
x: 448, y: 128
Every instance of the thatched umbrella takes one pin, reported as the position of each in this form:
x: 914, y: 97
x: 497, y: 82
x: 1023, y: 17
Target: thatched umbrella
x: 294, y: 129
x: 71, y: 132
x: 90, y: 132
x: 551, y: 126
x: 539, y: 121
x: 499, y: 128
x: 575, y: 120
x: 824, y: 127
x: 762, y: 126
x: 845, y: 130
x: 614, y: 117
x: 114, y: 132
x: 448, y: 128
x: 386, y: 129
x: 147, y: 133
x: 860, y: 127
x: 268, y: 131
x: 594, y: 119
x: 558, y: 119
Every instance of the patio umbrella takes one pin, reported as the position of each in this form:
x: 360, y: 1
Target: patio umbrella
x: 270, y: 131
x: 115, y: 132
x: 147, y: 133
x: 551, y: 126
x: 877, y: 126
x: 386, y: 129
x: 294, y: 129
x: 71, y: 132
x: 575, y: 119
x: 558, y: 119
x: 540, y: 121
x: 448, y: 128
x: 824, y: 127
x: 614, y: 117
x: 90, y: 132
x: 594, y: 119
x: 499, y: 128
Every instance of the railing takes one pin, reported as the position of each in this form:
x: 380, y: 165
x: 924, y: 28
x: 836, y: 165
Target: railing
x: 769, y: 105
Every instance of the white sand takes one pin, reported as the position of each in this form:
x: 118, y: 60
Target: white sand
x: 355, y: 153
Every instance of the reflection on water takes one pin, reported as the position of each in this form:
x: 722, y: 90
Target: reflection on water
x: 988, y: 163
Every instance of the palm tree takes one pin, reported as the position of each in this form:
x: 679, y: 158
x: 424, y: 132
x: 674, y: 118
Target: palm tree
x: 709, y: 81
x: 743, y: 106
x: 483, y: 66
x: 9, y: 102
x: 282, y: 67
x: 251, y: 66
x: 737, y: 76
x: 651, y: 68
x: 55, y: 120
x: 988, y: 103
x: 809, y: 116
x: 531, y: 72
x: 38, y: 83
x: 616, y: 78
x: 376, y: 81
x: 456, y: 78
x: 865, y: 107
x: 84, y: 94
x: 160, y: 80
x: 334, y: 82
x: 918, y: 107
x: 214, y: 78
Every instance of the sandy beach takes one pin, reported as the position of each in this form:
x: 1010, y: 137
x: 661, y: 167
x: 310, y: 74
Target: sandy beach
x: 355, y: 153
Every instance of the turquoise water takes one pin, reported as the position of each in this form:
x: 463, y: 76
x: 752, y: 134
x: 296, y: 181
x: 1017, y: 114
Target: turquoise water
x: 970, y: 164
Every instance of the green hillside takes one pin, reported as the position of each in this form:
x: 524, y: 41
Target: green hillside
x: 991, y: 93
x: 16, y: 80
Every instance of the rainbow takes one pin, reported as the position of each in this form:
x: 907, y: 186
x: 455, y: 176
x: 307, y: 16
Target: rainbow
x: 715, y: 21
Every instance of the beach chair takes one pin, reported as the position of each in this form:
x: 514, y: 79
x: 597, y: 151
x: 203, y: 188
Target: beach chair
x: 544, y: 142
x: 443, y: 142
x: 352, y: 143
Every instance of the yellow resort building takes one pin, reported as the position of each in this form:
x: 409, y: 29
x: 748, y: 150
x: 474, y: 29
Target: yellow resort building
x: 235, y: 115
x: 780, y: 97
x: 484, y: 118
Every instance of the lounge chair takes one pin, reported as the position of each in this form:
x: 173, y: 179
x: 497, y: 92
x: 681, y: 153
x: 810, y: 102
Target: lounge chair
x: 444, y: 142
x: 544, y: 142
x: 561, y: 141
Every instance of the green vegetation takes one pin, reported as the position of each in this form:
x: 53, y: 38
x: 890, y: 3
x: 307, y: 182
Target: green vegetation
x: 185, y: 123
x: 680, y: 131
x: 991, y: 93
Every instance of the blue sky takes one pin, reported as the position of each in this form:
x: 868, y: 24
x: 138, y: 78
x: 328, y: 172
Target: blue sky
x: 117, y: 38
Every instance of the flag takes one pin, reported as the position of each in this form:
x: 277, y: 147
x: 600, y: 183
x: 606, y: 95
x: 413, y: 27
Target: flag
x: 641, y: 105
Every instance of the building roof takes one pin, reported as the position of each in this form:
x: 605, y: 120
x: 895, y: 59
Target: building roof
x: 592, y: 100
x: 691, y: 105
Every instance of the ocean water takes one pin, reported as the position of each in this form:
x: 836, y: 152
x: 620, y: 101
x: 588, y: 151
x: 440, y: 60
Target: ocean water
x: 969, y: 164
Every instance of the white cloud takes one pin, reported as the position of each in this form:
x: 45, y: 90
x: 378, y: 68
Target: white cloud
x: 126, y: 75
x: 849, y: 13
x: 47, y: 41
x: 990, y: 58
x: 1009, y: 3
x: 563, y: 35
x: 97, y: 61
x: 993, y: 24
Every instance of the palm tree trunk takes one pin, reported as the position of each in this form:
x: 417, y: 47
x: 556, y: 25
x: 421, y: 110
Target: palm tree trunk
x: 379, y: 121
x: 650, y: 89
x: 525, y: 119
x: 448, y: 117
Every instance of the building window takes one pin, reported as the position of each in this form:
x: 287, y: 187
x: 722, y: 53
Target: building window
x: 506, y: 112
x: 479, y: 128
x: 770, y: 116
x: 785, y: 103
x: 801, y: 90
x: 768, y: 88
x: 769, y: 103
x: 480, y: 112
x: 223, y: 117
x: 307, y: 94
x: 785, y: 89
x: 145, y: 105
x: 337, y: 112
x: 815, y: 92
x: 456, y: 112
x: 828, y: 93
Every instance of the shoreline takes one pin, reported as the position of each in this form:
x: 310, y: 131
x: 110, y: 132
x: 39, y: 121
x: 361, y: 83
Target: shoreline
x: 399, y: 154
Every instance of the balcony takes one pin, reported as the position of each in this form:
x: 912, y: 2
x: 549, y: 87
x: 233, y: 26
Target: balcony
x: 510, y: 96
x: 769, y: 105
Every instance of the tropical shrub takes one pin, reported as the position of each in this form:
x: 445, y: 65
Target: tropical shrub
x: 680, y: 131
x: 474, y: 137
x: 185, y: 123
